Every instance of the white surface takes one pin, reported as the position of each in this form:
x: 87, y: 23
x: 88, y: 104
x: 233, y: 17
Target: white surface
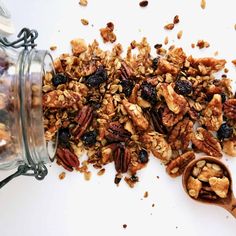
x: 74, y: 207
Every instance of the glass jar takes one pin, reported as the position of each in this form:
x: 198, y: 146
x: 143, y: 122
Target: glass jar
x: 22, y: 141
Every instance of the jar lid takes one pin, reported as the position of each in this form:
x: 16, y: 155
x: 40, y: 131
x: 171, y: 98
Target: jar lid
x: 6, y: 26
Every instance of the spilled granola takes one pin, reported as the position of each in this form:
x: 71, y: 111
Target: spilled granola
x: 120, y: 108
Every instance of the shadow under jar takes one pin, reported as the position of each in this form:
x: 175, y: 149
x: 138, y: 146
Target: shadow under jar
x: 22, y: 141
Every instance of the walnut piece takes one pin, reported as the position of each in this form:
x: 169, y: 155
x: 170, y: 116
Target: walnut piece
x: 165, y: 66
x: 194, y: 186
x: 181, y: 135
x: 136, y: 114
x: 78, y: 46
x: 220, y: 186
x: 205, y: 142
x: 230, y: 108
x: 213, y: 114
x: 177, y: 166
x: 107, y: 33
x: 229, y: 147
x: 175, y: 102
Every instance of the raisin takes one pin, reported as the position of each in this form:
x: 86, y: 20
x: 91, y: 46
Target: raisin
x: 223, y: 97
x: 64, y: 137
x: 183, y: 87
x: 59, y: 79
x: 143, y: 156
x: 97, y: 78
x: 148, y: 92
x: 143, y: 3
x: 155, y: 62
x: 224, y: 131
x: 89, y: 138
x: 127, y: 86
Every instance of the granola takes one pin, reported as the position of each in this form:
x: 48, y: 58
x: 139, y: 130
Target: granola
x: 119, y: 109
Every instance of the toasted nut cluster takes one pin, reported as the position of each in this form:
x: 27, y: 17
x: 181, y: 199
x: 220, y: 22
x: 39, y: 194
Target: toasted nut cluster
x: 119, y: 109
x: 208, y: 181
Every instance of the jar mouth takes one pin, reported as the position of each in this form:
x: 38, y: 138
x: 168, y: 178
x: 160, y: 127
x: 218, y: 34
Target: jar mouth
x: 36, y: 64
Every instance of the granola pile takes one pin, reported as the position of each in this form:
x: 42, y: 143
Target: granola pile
x: 121, y: 107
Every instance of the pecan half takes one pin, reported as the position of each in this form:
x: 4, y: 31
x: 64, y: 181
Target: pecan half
x: 67, y: 159
x: 126, y: 72
x: 181, y: 135
x: 156, y: 118
x: 136, y: 114
x: 213, y: 114
x: 117, y: 133
x: 177, y: 166
x: 175, y: 102
x: 230, y: 108
x: 205, y: 142
x: 169, y: 118
x: 121, y: 159
x: 83, y: 120
x: 60, y: 99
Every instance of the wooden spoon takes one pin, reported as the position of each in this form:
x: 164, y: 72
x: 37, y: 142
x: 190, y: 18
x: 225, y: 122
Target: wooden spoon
x: 228, y: 203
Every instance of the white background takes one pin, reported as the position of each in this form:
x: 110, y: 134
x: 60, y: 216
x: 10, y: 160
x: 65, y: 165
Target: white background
x: 76, y: 207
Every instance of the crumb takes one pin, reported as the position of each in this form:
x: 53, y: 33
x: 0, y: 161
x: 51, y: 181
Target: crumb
x: 227, y: 217
x: 176, y: 19
x: 83, y: 3
x: 153, y: 205
x: 87, y: 175
x: 202, y: 44
x: 84, y: 21
x: 176, y: 227
x: 216, y: 53
x: 107, y: 33
x: 150, y: 214
x: 53, y: 48
x: 101, y: 172
x: 203, y: 4
x: 235, y: 26
x: 179, y: 35
x: 226, y: 70
x: 234, y: 62
x: 166, y: 40
x: 143, y: 3
x: 158, y: 177
x: 124, y: 226
x: 169, y: 26
x: 62, y: 175
x: 193, y: 45
x: 145, y: 194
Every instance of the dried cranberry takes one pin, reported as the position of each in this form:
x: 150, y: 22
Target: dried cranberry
x: 127, y: 86
x: 64, y: 136
x: 224, y: 131
x: 148, y: 92
x: 143, y: 156
x: 155, y: 62
x: 97, y: 78
x: 59, y: 79
x: 183, y: 87
x: 89, y: 138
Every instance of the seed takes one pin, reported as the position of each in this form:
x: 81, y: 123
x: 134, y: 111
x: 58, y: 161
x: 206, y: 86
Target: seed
x: 224, y: 131
x: 183, y: 87
x: 59, y: 79
x: 179, y: 35
x: 148, y: 92
x: 143, y: 3
x: 143, y: 156
x: 89, y: 138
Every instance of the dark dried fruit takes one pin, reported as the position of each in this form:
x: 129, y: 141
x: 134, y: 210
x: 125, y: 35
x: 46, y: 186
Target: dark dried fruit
x: 127, y: 86
x: 96, y: 79
x: 134, y: 178
x: 148, y: 92
x: 143, y: 3
x: 143, y: 156
x: 223, y: 97
x: 59, y: 79
x: 89, y: 138
x: 224, y: 131
x: 64, y: 137
x: 183, y: 87
x: 155, y: 62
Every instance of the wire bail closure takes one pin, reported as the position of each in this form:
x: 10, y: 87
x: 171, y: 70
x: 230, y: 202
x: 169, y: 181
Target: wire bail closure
x: 26, y: 39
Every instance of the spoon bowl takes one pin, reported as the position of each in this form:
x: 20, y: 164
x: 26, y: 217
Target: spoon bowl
x: 228, y: 203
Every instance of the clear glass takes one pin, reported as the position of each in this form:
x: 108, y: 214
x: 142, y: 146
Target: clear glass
x: 21, y: 115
